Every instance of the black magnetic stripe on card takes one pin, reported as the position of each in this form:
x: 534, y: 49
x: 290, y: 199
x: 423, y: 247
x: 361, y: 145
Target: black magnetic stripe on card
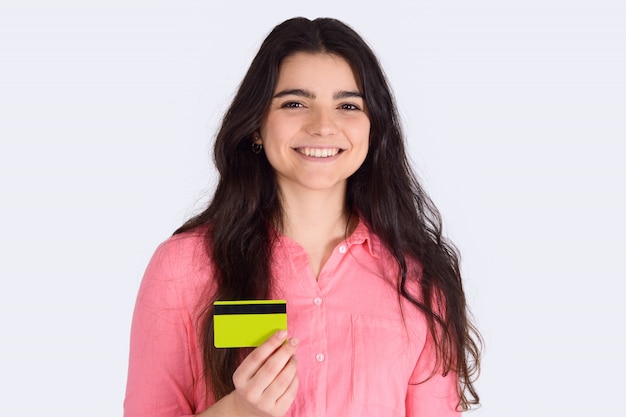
x: 223, y: 309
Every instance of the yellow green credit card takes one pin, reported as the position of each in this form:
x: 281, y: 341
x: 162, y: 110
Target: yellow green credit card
x: 247, y: 323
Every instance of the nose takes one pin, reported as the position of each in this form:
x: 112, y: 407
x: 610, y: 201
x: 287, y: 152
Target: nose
x: 321, y: 123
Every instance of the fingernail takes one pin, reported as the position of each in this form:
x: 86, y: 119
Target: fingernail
x: 294, y: 341
x: 281, y: 334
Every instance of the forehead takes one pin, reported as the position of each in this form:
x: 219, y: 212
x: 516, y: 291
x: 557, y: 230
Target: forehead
x: 317, y: 71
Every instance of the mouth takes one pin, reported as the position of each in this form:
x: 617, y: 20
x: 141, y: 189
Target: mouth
x: 319, y: 152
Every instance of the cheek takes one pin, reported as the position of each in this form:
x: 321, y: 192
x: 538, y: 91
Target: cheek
x: 274, y: 130
x: 268, y: 126
x: 361, y: 134
x: 361, y: 141
x: 365, y: 141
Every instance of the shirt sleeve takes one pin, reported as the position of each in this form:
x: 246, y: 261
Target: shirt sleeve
x: 162, y: 372
x: 428, y: 395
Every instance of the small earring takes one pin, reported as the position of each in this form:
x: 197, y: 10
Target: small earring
x: 256, y: 147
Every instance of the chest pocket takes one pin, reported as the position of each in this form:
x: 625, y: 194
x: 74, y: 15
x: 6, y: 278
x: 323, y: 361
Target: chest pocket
x: 383, y: 361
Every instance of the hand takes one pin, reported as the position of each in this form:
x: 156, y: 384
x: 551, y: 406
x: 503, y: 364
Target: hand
x: 266, y: 382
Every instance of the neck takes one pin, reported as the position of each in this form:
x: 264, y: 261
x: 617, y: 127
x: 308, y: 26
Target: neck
x: 316, y: 220
x: 314, y: 216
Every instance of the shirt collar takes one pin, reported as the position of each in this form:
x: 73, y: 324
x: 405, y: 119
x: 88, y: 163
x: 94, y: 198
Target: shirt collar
x: 361, y: 235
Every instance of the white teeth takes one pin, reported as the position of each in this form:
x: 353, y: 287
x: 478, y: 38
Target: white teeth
x: 319, y: 153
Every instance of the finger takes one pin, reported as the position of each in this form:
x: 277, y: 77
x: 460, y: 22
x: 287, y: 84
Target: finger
x: 275, y: 364
x: 286, y: 399
x: 255, y: 360
x: 283, y: 380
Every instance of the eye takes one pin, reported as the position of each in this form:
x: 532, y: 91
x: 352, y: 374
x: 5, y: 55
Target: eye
x: 291, y: 105
x: 349, y: 106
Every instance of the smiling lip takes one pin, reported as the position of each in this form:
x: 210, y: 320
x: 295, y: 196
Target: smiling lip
x: 318, y: 152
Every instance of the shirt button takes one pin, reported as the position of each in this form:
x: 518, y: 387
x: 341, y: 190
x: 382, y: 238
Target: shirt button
x: 317, y: 301
x: 319, y: 357
x: 342, y: 249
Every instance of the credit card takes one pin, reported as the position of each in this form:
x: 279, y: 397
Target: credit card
x: 247, y: 323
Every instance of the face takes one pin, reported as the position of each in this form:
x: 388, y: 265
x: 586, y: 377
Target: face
x: 316, y: 131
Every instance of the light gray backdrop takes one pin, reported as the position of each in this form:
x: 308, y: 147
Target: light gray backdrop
x: 515, y: 116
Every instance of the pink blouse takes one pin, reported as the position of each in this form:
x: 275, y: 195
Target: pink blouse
x: 362, y: 352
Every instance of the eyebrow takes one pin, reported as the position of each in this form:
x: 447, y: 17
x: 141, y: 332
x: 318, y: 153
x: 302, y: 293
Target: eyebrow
x: 308, y: 94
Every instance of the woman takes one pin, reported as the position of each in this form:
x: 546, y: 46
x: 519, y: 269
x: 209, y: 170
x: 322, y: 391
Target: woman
x: 316, y: 204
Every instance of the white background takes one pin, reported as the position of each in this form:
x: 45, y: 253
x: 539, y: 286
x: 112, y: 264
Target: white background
x: 515, y: 113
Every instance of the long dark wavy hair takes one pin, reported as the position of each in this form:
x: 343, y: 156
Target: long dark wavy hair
x: 384, y: 192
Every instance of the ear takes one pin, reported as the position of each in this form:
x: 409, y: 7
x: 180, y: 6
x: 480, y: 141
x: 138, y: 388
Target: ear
x: 256, y: 138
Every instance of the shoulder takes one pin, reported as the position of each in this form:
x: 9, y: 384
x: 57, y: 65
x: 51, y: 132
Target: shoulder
x: 379, y: 249
x: 182, y: 253
x: 180, y: 268
x: 390, y: 266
